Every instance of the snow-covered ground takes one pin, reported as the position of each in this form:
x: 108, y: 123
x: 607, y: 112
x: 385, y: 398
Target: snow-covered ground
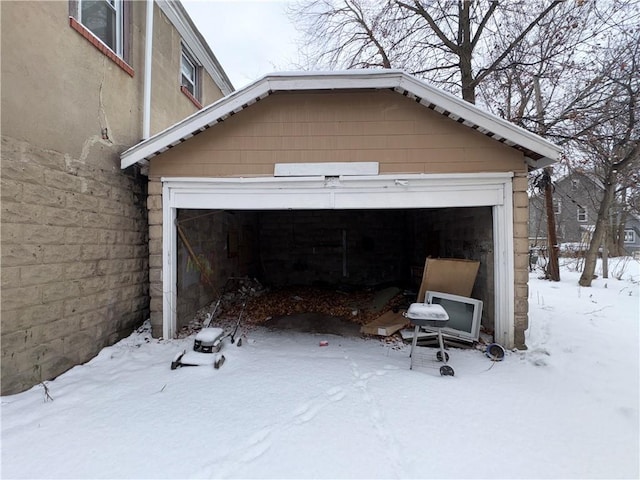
x: 284, y: 407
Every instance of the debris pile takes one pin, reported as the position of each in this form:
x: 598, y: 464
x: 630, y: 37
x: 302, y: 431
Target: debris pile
x: 359, y: 306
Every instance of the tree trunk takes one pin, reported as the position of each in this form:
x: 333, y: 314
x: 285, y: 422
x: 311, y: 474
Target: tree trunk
x: 553, y: 267
x: 599, y: 232
x: 605, y: 260
x: 619, y: 237
x: 465, y: 52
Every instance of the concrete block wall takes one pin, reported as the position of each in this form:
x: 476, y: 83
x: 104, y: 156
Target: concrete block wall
x: 362, y: 247
x: 74, y: 259
x: 208, y: 233
x: 224, y: 244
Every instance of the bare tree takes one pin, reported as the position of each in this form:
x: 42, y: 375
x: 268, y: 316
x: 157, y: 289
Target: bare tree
x: 574, y: 57
x: 495, y: 52
x: 610, y: 135
x: 454, y: 44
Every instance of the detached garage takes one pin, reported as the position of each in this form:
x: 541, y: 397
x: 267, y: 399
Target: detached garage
x: 338, y: 178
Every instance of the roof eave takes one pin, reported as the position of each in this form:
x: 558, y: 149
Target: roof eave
x: 540, y: 163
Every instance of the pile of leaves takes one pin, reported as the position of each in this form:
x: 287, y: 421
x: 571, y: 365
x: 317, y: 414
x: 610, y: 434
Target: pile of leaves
x: 258, y: 305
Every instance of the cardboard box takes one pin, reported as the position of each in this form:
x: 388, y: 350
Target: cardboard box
x: 386, y: 324
x: 448, y: 275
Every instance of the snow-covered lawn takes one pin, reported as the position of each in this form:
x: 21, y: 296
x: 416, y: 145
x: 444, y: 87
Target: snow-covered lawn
x: 284, y: 407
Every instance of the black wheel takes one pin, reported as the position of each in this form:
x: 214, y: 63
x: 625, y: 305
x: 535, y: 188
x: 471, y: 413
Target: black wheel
x: 439, y: 356
x: 447, y: 371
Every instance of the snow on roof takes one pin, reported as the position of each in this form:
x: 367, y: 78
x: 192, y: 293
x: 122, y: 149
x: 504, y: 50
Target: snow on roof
x: 538, y: 152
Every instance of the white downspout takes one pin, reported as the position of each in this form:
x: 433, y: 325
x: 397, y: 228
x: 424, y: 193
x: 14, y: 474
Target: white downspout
x: 148, y: 50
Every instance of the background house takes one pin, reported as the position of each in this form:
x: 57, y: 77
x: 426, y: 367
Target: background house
x: 576, y: 200
x: 81, y: 84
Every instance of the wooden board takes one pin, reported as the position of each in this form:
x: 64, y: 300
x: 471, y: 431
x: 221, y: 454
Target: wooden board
x: 448, y: 275
x: 386, y: 324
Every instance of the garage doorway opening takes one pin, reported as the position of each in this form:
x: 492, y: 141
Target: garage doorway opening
x: 437, y: 202
x: 346, y: 251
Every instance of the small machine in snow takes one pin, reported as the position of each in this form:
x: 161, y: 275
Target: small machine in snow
x: 206, y: 346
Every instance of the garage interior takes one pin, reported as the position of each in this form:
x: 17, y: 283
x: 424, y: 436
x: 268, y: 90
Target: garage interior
x: 346, y: 252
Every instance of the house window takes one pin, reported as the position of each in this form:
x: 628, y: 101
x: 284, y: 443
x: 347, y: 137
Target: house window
x: 189, y: 74
x: 556, y: 207
x: 629, y: 236
x: 575, y: 184
x: 104, y: 19
x: 582, y: 214
x: 105, y: 24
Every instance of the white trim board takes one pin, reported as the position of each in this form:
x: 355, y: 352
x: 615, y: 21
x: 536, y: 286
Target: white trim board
x: 334, y: 169
x: 364, y: 192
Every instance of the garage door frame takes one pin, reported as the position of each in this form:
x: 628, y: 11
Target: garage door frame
x: 348, y: 192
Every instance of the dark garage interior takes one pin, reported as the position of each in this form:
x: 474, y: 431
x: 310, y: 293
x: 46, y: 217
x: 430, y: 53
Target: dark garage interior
x: 331, y: 250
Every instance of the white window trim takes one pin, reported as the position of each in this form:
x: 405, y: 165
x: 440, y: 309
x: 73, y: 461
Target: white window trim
x: 581, y: 212
x: 557, y: 206
x: 378, y: 192
x: 632, y: 236
x: 118, y: 7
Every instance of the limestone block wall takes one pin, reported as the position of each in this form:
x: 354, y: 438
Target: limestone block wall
x: 521, y: 257
x: 154, y: 215
x: 74, y: 258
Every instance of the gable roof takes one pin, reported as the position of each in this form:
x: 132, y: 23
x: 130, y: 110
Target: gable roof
x: 538, y: 152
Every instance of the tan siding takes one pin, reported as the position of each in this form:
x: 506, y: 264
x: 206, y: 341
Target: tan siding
x: 384, y: 127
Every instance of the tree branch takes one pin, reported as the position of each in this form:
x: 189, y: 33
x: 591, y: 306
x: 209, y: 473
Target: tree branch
x: 419, y: 9
x: 486, y: 71
x: 483, y: 23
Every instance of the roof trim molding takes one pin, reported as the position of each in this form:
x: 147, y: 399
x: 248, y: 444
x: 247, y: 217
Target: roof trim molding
x: 196, y: 43
x: 538, y: 151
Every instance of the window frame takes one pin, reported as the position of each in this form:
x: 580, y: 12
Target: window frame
x: 121, y: 55
x: 195, y: 81
x: 117, y: 7
x: 631, y: 235
x: 557, y: 206
x: 581, y: 212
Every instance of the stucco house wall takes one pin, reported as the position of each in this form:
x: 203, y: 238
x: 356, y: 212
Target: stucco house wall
x: 74, y: 226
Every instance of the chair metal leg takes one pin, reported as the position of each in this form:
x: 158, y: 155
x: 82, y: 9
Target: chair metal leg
x: 413, y: 345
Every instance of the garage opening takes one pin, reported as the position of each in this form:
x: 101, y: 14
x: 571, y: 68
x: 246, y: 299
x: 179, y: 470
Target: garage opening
x: 341, y: 251
x: 358, y: 231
